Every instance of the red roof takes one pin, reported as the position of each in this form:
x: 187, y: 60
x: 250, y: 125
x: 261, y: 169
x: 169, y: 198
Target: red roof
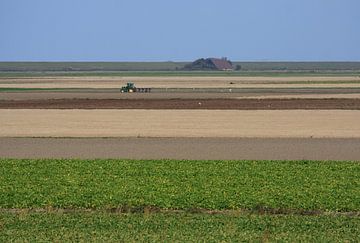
x: 221, y: 64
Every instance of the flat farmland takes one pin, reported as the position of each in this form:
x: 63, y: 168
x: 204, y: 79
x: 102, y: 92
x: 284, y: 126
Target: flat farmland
x: 182, y: 82
x: 175, y: 227
x: 170, y: 67
x: 215, y: 158
x: 183, y: 148
x: 178, y: 200
x: 275, y: 106
x: 207, y: 87
x: 28, y: 95
x: 179, y: 123
x: 190, y: 104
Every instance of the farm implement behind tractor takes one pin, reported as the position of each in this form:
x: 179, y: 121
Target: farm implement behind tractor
x: 130, y: 88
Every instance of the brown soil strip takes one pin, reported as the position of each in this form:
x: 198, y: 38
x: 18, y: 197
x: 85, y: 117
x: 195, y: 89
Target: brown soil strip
x: 204, y: 104
x: 183, y: 148
x: 257, y: 94
x: 152, y: 209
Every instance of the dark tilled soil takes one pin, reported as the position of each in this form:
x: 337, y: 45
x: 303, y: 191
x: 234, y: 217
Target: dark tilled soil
x: 211, y: 104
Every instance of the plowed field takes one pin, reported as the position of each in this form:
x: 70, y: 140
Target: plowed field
x: 208, y: 104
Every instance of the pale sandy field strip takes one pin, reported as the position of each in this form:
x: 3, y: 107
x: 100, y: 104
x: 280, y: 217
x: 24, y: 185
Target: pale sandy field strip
x: 183, y: 148
x: 182, y: 82
x: 178, y: 85
x: 180, y: 123
x: 302, y: 96
x: 320, y: 94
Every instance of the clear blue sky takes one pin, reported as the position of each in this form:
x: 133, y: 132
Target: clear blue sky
x: 161, y: 30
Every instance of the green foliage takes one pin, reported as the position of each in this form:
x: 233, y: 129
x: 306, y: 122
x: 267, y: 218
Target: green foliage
x: 169, y: 227
x: 201, y: 64
x: 170, y: 184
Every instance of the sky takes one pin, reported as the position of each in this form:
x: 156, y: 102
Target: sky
x: 174, y: 30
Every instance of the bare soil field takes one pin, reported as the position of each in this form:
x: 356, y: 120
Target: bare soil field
x: 244, y: 79
x: 181, y: 82
x: 262, y: 93
x: 315, y: 118
x: 183, y: 148
x: 38, y: 95
x: 302, y: 96
x: 179, y: 123
x: 199, y: 104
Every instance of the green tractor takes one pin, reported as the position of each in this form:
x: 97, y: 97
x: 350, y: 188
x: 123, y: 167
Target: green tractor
x: 129, y: 88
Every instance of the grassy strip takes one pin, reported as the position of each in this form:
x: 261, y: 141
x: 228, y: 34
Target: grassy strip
x: 167, y: 66
x: 301, y: 185
x: 37, y: 89
x: 176, y: 74
x: 9, y: 90
x: 115, y: 66
x: 100, y: 227
x: 307, y: 82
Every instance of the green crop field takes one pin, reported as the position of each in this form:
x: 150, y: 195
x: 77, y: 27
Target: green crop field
x: 174, y: 227
x: 303, y: 185
x: 179, y: 200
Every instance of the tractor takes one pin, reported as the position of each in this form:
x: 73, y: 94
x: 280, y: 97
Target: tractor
x: 129, y: 88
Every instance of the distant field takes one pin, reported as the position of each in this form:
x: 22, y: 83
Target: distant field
x: 17, y: 74
x: 89, y: 66
x: 172, y: 66
x: 299, y: 66
x: 39, y: 69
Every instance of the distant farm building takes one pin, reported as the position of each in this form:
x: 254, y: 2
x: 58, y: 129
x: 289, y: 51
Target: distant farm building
x: 217, y: 64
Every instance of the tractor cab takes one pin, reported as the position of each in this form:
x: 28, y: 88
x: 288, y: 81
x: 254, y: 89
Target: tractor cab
x: 129, y: 88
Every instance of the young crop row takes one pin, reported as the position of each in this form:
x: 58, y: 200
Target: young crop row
x: 103, y: 227
x: 170, y: 184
